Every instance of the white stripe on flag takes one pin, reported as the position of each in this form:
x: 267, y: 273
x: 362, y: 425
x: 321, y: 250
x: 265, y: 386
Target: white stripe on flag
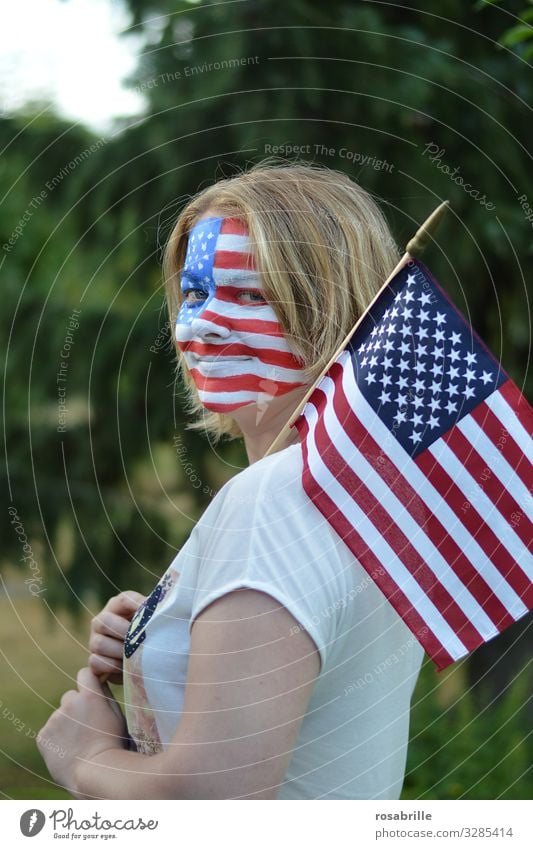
x: 399, y: 514
x: 510, y: 422
x: 427, y: 492
x: 475, y: 495
x: 381, y: 549
x: 496, y: 462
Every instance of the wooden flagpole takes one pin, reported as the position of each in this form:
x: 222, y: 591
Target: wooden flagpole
x: 414, y: 247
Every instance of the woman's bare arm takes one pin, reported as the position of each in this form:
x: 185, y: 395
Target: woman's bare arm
x: 250, y: 677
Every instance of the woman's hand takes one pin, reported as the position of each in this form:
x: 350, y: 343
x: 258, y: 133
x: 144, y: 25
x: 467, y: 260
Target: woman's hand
x: 88, y: 722
x: 108, y: 630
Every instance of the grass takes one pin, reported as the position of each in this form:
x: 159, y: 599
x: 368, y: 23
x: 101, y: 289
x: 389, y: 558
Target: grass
x: 457, y: 750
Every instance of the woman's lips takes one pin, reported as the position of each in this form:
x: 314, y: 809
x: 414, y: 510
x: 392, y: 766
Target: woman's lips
x: 219, y: 358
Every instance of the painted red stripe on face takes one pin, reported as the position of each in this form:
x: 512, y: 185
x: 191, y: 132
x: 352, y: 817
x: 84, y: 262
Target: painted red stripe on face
x: 241, y: 382
x: 233, y: 227
x: 233, y: 293
x: 244, y: 325
x: 270, y: 356
x: 237, y: 260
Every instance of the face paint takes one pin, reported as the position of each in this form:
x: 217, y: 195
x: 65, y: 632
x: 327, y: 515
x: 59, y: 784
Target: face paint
x: 230, y: 336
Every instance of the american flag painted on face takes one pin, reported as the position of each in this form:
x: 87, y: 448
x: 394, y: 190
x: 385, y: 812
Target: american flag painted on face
x: 417, y: 450
x: 232, y: 341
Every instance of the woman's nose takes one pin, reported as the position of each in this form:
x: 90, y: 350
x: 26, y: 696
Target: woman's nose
x: 204, y: 328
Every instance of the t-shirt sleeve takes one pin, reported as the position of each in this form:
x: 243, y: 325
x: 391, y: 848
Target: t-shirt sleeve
x: 268, y: 536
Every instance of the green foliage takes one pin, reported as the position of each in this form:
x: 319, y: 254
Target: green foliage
x: 421, y: 92
x: 464, y: 751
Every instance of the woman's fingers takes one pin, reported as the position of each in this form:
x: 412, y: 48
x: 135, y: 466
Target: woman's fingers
x: 106, y: 666
x: 106, y: 646
x: 125, y: 604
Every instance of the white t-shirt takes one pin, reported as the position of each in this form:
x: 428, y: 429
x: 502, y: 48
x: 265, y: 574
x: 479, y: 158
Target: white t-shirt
x: 262, y: 532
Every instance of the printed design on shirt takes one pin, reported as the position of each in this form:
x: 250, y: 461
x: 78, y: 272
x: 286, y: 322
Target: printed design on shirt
x: 141, y: 717
x: 137, y: 630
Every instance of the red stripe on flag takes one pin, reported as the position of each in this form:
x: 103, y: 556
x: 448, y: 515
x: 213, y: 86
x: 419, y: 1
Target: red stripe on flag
x: 504, y: 442
x: 487, y: 480
x: 392, y: 533
x: 417, y: 508
x: 238, y: 260
x: 368, y: 560
x: 485, y: 537
x: 516, y: 400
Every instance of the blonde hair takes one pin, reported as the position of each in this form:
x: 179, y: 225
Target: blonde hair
x: 321, y: 246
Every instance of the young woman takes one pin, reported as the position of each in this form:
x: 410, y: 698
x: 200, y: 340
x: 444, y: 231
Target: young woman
x: 266, y: 663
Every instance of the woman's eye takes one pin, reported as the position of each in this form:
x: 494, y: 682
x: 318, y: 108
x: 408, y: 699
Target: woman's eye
x: 194, y: 296
x: 251, y: 296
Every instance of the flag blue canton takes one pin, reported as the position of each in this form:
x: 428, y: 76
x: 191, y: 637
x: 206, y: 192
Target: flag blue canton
x: 198, y: 266
x: 417, y: 362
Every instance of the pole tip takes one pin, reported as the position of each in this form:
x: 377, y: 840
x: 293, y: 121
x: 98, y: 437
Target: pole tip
x: 418, y: 243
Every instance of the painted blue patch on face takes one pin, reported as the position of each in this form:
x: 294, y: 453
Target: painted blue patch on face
x: 197, y: 273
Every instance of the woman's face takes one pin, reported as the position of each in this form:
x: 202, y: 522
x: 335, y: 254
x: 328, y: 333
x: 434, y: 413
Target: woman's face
x: 230, y: 336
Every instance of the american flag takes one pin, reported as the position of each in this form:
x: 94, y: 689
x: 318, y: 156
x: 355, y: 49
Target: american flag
x: 254, y: 361
x: 417, y: 450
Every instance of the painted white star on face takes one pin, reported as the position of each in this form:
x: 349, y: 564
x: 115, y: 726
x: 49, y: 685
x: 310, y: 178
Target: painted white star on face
x: 486, y: 378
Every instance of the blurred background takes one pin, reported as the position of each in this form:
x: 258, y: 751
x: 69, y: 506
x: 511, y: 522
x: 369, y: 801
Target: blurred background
x: 112, y: 115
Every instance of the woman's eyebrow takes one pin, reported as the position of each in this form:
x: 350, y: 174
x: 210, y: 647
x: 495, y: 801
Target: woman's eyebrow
x: 192, y: 277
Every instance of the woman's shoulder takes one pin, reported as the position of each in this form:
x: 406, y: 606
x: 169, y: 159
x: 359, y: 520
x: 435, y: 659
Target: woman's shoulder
x: 276, y: 477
